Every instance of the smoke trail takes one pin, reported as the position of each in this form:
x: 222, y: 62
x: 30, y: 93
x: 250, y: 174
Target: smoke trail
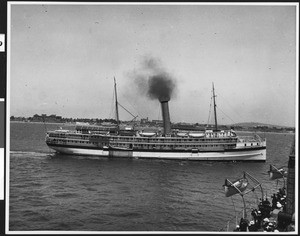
x: 161, y: 87
x: 153, y: 80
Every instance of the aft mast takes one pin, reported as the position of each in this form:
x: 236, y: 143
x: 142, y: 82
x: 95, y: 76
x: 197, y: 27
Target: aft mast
x: 116, y: 104
x: 215, y: 112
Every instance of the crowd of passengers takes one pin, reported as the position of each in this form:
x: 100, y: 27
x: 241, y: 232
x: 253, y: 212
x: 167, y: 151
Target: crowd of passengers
x: 261, y: 217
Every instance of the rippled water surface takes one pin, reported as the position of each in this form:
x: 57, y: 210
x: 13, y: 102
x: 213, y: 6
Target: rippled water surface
x: 51, y: 191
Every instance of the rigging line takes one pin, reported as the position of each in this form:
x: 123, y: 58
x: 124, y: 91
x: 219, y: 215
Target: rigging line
x: 126, y: 110
x: 226, y: 115
x: 133, y: 107
x: 224, y: 99
x: 209, y: 111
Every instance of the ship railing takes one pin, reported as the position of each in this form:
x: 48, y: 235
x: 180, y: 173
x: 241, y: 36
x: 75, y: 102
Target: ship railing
x: 245, y: 139
x: 175, y: 139
x: 232, y: 223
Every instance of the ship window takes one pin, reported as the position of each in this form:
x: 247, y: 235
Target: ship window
x: 245, y: 144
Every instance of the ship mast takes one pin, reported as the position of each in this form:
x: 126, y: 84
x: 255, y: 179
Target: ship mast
x: 116, y: 104
x: 215, y: 112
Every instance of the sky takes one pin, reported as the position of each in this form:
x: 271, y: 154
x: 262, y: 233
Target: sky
x: 63, y: 60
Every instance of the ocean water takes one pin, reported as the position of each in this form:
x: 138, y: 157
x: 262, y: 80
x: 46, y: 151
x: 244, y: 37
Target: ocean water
x: 54, y: 192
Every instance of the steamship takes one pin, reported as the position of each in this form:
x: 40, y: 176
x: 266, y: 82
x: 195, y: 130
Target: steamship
x: 114, y: 141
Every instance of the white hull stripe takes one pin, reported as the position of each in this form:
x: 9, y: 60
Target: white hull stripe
x: 238, y: 149
x: 253, y: 155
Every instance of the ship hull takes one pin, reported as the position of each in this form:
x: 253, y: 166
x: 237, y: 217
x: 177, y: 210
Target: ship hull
x: 258, y: 154
x: 79, y: 151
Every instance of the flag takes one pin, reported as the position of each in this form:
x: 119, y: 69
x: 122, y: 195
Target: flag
x: 275, y: 173
x: 235, y: 187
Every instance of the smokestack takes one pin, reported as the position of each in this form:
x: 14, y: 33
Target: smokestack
x: 156, y: 83
x: 166, y: 117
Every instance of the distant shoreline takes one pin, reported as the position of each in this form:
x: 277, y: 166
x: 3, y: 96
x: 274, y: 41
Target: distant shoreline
x: 74, y: 124
x: 38, y: 122
x: 264, y: 132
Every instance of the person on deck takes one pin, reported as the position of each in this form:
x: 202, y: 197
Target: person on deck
x: 244, y: 225
x: 274, y: 201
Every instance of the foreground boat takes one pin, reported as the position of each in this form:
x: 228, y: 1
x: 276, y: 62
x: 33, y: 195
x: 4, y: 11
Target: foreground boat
x: 208, y: 145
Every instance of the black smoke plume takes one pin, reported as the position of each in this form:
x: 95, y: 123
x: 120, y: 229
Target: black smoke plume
x: 160, y: 87
x: 153, y: 80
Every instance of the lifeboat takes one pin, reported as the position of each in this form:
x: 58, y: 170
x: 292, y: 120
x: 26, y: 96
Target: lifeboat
x: 147, y: 134
x: 196, y: 134
x: 182, y: 134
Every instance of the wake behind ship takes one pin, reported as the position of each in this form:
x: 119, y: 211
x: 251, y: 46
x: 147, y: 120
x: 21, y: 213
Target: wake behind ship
x: 208, y: 145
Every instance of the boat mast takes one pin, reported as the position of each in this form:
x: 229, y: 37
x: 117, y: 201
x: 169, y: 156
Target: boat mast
x: 116, y: 104
x: 215, y: 112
